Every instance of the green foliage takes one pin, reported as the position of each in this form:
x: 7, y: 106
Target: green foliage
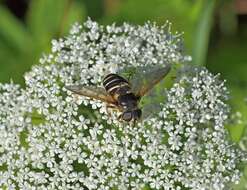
x: 13, y: 33
x: 203, y: 29
x: 45, y: 22
x: 183, y: 14
x: 95, y: 8
x: 22, y: 44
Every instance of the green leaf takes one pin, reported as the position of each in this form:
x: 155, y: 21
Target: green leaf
x: 46, y: 19
x: 49, y: 19
x: 95, y: 8
x: 183, y: 15
x: 12, y: 32
x: 76, y: 13
x: 201, y: 37
x: 8, y: 62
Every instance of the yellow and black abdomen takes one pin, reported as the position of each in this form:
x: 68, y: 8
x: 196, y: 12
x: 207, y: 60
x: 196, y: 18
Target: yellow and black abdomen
x: 116, y: 85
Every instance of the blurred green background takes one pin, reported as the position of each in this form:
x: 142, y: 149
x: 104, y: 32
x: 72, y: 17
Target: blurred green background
x: 215, y: 34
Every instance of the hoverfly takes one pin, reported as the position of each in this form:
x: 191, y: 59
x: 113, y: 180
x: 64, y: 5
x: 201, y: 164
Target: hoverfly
x: 120, y: 94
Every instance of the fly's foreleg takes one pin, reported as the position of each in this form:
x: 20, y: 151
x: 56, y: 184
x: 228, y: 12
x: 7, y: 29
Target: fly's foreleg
x: 110, y: 107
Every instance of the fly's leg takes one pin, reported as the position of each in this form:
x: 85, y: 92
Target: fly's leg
x: 111, y: 107
x: 133, y: 123
x: 120, y: 117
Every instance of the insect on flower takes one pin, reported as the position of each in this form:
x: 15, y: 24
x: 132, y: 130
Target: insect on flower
x: 121, y: 94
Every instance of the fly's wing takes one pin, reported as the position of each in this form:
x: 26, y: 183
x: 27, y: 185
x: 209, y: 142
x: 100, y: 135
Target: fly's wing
x: 151, y: 104
x: 150, y: 109
x: 145, y: 81
x: 91, y: 92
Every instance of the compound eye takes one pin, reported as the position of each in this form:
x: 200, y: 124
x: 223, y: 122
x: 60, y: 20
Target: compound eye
x: 127, y: 116
x: 137, y: 114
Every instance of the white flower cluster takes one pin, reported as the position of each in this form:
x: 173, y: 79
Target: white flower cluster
x: 50, y: 140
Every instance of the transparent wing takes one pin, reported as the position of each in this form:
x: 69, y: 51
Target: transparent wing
x: 91, y: 92
x: 143, y: 82
x: 150, y: 109
x: 151, y: 104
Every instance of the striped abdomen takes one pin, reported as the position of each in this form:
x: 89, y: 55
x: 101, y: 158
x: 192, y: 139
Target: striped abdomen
x: 116, y: 85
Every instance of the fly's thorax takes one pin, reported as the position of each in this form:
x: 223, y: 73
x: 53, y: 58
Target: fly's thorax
x: 127, y: 101
x: 129, y: 105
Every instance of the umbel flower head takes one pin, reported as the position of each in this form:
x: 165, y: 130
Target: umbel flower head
x: 51, y: 139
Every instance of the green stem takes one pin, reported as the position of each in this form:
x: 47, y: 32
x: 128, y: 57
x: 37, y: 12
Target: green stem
x: 65, y: 17
x: 203, y: 32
